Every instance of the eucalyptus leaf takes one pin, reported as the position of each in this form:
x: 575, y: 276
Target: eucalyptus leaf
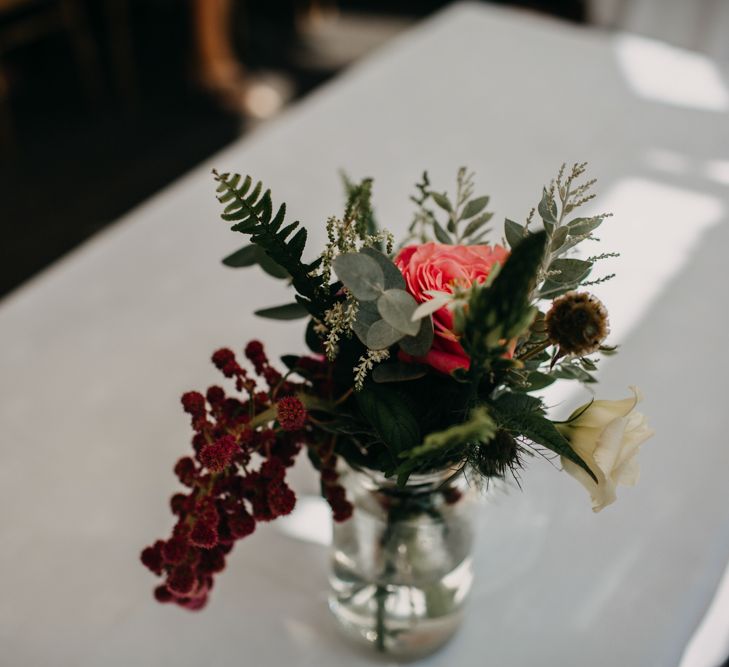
x: 393, y: 277
x: 361, y: 274
x: 397, y: 307
x: 381, y: 335
x: 289, y: 311
x: 436, y: 302
x: 420, y: 344
x: 367, y: 315
x: 474, y: 207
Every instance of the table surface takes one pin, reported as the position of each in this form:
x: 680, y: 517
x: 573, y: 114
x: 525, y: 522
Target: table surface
x: 96, y: 351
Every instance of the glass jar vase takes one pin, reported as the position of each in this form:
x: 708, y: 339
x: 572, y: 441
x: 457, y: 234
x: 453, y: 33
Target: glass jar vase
x: 401, y: 565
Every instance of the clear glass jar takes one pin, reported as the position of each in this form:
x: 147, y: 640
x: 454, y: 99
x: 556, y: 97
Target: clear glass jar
x: 402, y: 566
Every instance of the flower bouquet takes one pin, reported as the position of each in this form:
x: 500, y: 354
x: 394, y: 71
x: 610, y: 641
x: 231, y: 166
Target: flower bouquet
x: 420, y: 382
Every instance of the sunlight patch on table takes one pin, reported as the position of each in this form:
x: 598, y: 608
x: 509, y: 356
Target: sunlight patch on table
x: 657, y: 227
x: 671, y: 75
x: 717, y: 170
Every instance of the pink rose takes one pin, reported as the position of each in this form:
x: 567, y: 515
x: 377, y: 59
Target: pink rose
x: 437, y: 266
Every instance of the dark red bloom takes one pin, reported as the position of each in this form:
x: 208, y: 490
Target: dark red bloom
x: 215, y: 395
x: 223, y: 357
x: 256, y: 355
x: 273, y: 469
x: 175, y: 550
x: 186, y: 471
x: 218, y: 455
x: 180, y: 504
x: 204, y: 535
x: 241, y: 524
x: 211, y: 561
x: 152, y: 557
x: 193, y: 403
x: 281, y: 499
x: 181, y: 580
x: 291, y: 413
x: 162, y: 594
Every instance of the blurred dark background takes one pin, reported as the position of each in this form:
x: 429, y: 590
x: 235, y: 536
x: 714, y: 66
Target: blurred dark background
x: 103, y: 102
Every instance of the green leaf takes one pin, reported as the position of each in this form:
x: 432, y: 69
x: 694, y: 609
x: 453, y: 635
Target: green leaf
x: 253, y: 214
x: 361, y: 274
x: 397, y: 307
x: 312, y: 338
x: 558, y: 238
x: 441, y: 234
x: 570, y: 273
x: 572, y: 372
x: 479, y: 427
x: 245, y: 256
x: 547, y: 208
x: 537, y: 381
x: 420, y: 344
x: 514, y: 233
x: 476, y: 224
x: 582, y: 226
x: 367, y: 315
x: 474, y: 207
x: 393, y: 277
x: 398, y: 372
x: 442, y: 201
x: 540, y: 430
x: 391, y: 416
x: 515, y: 403
x: 503, y: 310
x: 253, y: 254
x: 272, y: 268
x: 289, y: 311
x: 381, y: 335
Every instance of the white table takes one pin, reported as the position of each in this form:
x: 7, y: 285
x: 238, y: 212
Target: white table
x: 96, y: 351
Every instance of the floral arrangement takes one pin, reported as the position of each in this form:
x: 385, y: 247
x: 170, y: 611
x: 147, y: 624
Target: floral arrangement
x: 423, y: 357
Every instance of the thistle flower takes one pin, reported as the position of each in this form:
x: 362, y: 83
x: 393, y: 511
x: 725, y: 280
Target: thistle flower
x: 577, y: 323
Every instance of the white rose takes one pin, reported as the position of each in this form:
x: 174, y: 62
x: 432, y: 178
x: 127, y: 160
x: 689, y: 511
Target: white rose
x: 607, y: 436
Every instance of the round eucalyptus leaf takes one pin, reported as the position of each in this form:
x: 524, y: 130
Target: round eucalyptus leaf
x: 419, y: 345
x: 367, y: 315
x: 381, y: 335
x: 360, y: 274
x: 397, y: 307
x: 393, y: 278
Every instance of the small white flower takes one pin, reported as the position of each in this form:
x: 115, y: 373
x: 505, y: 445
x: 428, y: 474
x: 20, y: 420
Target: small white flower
x: 607, y: 436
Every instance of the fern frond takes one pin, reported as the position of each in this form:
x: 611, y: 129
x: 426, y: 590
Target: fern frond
x: 252, y: 213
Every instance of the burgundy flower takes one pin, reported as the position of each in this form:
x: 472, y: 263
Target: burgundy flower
x: 291, y: 413
x: 204, y: 535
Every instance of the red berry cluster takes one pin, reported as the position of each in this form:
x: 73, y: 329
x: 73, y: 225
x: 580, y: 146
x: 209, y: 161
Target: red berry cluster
x: 236, y: 477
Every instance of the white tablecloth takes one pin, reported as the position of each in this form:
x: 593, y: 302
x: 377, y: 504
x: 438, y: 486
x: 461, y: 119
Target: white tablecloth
x: 96, y: 351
